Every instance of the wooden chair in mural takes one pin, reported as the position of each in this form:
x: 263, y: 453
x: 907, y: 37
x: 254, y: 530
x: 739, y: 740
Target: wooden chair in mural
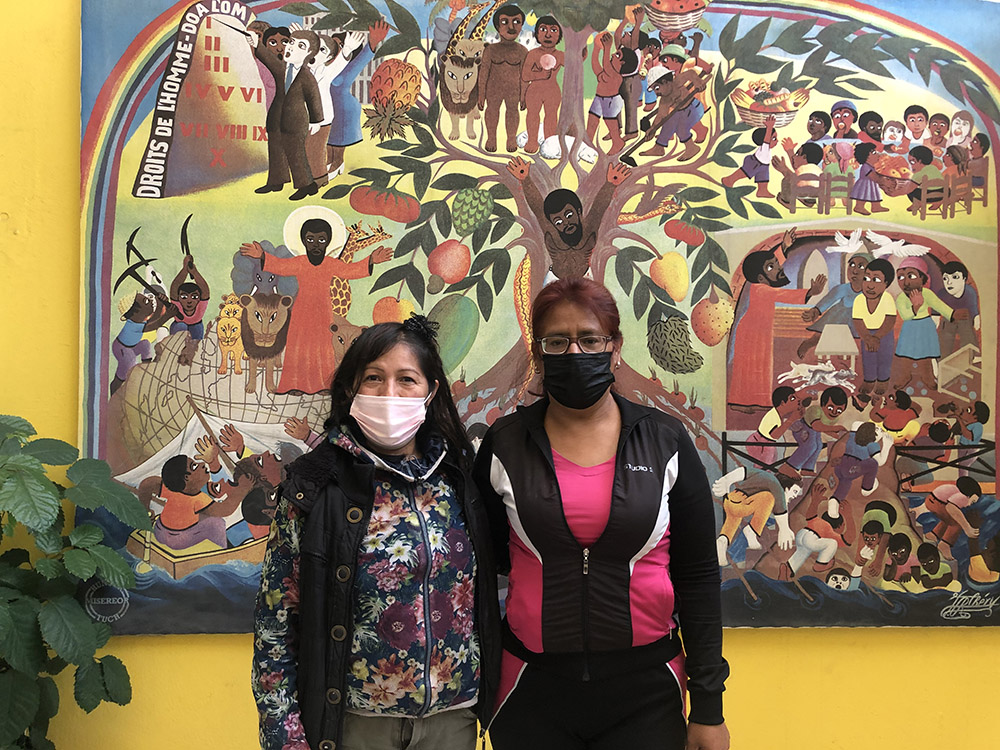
x: 833, y: 189
x: 804, y: 192
x: 957, y: 193
x: 980, y: 175
x: 933, y: 196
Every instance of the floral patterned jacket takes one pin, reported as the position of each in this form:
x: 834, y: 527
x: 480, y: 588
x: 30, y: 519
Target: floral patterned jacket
x: 414, y: 644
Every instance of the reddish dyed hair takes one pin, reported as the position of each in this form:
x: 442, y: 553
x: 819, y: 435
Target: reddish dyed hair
x: 591, y: 296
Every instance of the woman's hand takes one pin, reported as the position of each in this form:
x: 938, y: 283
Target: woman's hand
x: 707, y: 737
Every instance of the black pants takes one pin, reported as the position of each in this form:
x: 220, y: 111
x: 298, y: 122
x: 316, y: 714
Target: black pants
x: 636, y: 711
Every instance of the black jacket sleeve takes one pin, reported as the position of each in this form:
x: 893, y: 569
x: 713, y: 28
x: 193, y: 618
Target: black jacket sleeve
x: 495, y: 511
x: 694, y: 571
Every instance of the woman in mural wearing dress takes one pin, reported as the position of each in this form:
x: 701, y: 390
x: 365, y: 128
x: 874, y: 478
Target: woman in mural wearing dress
x: 377, y: 619
x: 602, y: 514
x: 345, y: 130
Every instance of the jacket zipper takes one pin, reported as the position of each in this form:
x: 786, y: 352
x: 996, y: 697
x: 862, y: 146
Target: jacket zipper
x: 427, y: 601
x: 584, y: 599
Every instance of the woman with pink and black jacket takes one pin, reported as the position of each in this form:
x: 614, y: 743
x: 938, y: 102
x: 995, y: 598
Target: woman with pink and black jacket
x: 377, y: 620
x: 601, y: 511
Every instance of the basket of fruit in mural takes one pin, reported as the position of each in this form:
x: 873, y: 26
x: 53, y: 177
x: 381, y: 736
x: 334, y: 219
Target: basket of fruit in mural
x: 676, y: 15
x: 760, y: 99
x: 894, y: 175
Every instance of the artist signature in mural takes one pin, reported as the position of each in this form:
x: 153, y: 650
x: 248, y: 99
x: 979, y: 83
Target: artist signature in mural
x: 964, y: 605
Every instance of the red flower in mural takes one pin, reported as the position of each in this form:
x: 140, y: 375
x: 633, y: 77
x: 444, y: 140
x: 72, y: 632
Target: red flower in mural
x: 398, y: 626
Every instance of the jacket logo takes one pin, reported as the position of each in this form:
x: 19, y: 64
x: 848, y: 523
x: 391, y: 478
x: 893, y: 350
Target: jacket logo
x: 632, y: 467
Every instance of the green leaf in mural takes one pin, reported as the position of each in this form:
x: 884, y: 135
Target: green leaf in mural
x: 709, y: 212
x: 901, y: 48
x: 501, y: 270
x: 792, y: 38
x: 863, y: 83
x: 335, y: 6
x: 752, y: 41
x: 761, y: 64
x: 427, y: 239
x: 484, y: 260
x: 727, y: 39
x: 765, y: 209
x: 701, y: 287
x: 983, y: 102
x: 337, y: 191
x: 625, y: 272
x: 500, y: 192
x: 396, y: 144
x: 19, y: 697
x: 454, y: 182
x: 403, y: 20
x: 640, y: 297
x: 485, y: 297
x: 954, y: 76
x: 443, y: 218
x: 366, y: 11
x: 390, y: 277
x: 338, y: 19
x: 697, y: 194
x: 834, y: 37
x: 501, y: 228
x: 480, y: 235
x: 710, y: 225
x: 301, y: 9
x: 734, y: 196
x: 863, y: 53
x: 415, y: 283
x: 52, y: 452
x: 112, y: 567
x: 924, y: 60
x: 827, y: 85
x: 701, y: 261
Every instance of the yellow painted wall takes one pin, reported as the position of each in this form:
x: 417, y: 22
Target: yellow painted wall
x: 818, y: 689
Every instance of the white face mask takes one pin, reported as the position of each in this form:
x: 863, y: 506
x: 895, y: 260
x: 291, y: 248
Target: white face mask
x: 389, y: 422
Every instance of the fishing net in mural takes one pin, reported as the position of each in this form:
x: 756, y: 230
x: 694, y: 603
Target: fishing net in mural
x: 794, y: 204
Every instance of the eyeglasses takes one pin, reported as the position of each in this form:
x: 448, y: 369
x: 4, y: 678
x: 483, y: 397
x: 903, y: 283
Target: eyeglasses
x: 591, y: 343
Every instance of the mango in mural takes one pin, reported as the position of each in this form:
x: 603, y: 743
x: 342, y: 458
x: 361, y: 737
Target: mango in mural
x: 791, y: 203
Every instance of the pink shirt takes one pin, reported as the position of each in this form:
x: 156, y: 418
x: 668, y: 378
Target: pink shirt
x: 586, y: 496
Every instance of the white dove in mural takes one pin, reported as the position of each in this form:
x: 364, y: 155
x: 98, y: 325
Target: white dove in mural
x: 884, y: 246
x: 852, y: 244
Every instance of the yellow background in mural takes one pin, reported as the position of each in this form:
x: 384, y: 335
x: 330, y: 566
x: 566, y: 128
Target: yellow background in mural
x: 821, y: 689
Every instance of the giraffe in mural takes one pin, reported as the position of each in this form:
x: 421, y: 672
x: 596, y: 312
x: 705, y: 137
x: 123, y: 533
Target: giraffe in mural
x: 357, y: 239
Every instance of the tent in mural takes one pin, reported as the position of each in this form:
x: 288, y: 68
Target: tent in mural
x: 794, y: 204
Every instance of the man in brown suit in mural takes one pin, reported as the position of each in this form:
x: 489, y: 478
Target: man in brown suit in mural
x: 271, y: 53
x: 301, y: 111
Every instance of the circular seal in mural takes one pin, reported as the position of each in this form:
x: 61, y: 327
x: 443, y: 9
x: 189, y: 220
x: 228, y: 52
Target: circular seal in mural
x: 106, y: 603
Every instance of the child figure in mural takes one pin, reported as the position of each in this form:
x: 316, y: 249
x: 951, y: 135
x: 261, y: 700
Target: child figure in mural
x: 958, y: 294
x: 803, y: 162
x: 900, y: 563
x: 947, y: 503
x: 140, y: 314
x: 892, y: 137
x: 190, y: 300
x: 858, y: 455
x: 924, y: 169
x: 818, y: 126
x: 754, y: 495
x: 817, y: 420
x: 970, y: 422
x: 309, y: 359
x: 786, y: 409
x: 876, y: 529
x: 979, y: 165
x: 915, y: 119
x: 190, y: 515
x: 844, y: 114
x: 898, y: 415
x: 679, y: 111
x: 939, y: 126
x: 866, y: 189
x: 836, y: 305
x: 822, y: 535
x: 569, y: 236
x: 500, y: 84
x: 542, y: 94
x: 756, y: 165
x: 751, y: 339
x: 874, y: 316
x: 609, y: 67
x: 932, y: 572
x: 918, y: 347
x: 631, y: 86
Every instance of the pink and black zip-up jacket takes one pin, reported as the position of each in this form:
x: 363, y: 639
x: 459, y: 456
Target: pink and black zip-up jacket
x: 653, y: 569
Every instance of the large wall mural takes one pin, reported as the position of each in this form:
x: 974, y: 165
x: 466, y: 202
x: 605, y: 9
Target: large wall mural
x: 794, y: 203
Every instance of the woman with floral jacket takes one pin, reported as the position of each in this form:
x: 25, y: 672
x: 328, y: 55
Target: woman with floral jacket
x: 377, y: 621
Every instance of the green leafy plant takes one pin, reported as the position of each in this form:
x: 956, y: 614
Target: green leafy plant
x: 43, y: 628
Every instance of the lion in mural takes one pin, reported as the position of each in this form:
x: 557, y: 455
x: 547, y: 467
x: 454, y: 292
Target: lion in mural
x: 264, y: 330
x: 460, y: 85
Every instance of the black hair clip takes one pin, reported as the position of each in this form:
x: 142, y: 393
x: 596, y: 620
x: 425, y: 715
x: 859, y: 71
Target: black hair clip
x: 418, y: 324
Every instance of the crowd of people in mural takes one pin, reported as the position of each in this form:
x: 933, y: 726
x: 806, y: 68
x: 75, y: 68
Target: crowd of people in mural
x: 901, y: 419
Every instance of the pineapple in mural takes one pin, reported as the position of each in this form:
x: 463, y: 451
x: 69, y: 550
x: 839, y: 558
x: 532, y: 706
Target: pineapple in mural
x: 394, y: 88
x: 470, y: 208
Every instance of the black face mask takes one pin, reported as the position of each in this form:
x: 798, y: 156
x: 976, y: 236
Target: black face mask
x: 577, y: 380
